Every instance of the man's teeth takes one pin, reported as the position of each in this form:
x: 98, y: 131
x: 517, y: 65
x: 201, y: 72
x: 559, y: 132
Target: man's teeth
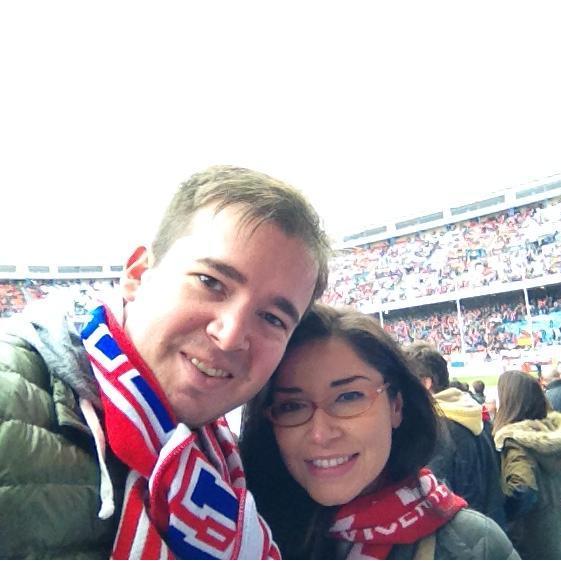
x: 213, y: 372
x: 331, y: 462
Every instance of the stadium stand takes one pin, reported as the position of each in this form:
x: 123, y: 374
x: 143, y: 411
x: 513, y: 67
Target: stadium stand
x: 478, y: 278
x: 81, y: 284
x: 519, y: 244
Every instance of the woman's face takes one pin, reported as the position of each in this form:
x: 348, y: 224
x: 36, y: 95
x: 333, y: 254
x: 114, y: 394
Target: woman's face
x: 334, y: 459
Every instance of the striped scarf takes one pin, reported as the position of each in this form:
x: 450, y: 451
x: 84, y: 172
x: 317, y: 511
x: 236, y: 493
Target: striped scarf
x: 402, y: 513
x: 185, y: 495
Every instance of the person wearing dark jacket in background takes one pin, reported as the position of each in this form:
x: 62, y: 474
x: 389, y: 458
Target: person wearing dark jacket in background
x: 465, y: 456
x: 551, y: 380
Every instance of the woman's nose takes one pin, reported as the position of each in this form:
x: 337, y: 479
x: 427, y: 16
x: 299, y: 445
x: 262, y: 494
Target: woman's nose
x: 323, y: 427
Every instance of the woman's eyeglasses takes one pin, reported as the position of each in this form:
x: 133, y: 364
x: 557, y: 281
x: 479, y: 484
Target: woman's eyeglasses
x: 352, y: 403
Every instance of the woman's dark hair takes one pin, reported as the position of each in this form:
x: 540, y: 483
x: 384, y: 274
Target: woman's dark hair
x: 297, y: 521
x: 520, y: 397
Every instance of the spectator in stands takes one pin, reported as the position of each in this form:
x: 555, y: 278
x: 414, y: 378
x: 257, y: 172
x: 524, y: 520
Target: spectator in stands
x: 439, y: 327
x: 528, y: 436
x: 16, y: 294
x: 335, y: 448
x: 505, y: 247
x: 465, y: 456
x: 551, y: 379
x: 207, y: 314
x: 479, y: 391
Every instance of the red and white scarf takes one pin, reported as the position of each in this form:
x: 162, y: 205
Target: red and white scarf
x: 399, y: 514
x: 185, y: 495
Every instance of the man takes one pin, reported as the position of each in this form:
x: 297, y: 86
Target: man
x: 551, y: 381
x: 465, y: 456
x: 205, y: 317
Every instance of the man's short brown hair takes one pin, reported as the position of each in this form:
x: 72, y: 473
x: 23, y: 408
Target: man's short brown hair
x: 261, y: 198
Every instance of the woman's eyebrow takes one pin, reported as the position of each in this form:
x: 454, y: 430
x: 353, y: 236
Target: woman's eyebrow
x: 344, y: 381
x: 333, y: 384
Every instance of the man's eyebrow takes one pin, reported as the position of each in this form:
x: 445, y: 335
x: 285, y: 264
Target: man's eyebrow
x: 224, y: 268
x: 287, y: 307
x: 231, y: 272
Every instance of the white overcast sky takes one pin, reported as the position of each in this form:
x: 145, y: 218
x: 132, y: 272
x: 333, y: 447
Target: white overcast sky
x: 375, y: 109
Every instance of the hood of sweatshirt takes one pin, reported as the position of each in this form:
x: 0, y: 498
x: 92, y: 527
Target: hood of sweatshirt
x: 540, y: 436
x: 49, y: 325
x: 459, y: 406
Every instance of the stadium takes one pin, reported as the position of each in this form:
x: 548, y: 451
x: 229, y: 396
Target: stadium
x: 481, y: 281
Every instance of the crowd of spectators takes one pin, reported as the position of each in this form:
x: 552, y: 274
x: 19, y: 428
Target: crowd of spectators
x: 520, y: 243
x: 437, y: 325
x: 16, y: 294
x: 12, y: 298
x: 490, y: 324
x: 486, y: 325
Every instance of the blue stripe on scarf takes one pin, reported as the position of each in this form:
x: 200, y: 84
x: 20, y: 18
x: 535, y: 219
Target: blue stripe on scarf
x: 108, y: 347
x: 154, y: 403
x: 98, y: 317
x: 182, y: 549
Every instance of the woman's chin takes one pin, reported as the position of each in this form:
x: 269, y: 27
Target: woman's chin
x: 333, y: 499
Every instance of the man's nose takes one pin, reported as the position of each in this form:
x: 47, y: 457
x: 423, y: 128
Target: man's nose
x: 323, y: 427
x: 230, y: 329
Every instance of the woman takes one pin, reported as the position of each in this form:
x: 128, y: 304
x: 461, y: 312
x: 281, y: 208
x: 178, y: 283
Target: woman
x: 528, y: 436
x: 335, y: 447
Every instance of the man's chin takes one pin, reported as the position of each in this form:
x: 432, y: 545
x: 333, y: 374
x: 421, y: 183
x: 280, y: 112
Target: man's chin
x: 198, y: 421
x: 198, y: 414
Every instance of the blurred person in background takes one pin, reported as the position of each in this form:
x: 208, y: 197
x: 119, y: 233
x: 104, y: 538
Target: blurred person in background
x: 465, y: 456
x: 528, y: 436
x: 478, y: 391
x: 551, y: 382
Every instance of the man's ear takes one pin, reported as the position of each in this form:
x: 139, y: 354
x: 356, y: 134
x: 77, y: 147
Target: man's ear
x: 138, y: 263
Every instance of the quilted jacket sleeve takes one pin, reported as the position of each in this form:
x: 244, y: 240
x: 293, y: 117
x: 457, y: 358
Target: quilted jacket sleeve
x: 48, y: 481
x: 472, y: 535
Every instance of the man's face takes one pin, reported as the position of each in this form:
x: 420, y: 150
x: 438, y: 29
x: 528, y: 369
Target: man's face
x: 213, y: 318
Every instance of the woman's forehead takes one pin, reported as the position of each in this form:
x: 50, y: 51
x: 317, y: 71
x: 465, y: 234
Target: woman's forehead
x: 321, y: 362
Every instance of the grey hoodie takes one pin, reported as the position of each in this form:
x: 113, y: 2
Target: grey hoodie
x: 50, y: 327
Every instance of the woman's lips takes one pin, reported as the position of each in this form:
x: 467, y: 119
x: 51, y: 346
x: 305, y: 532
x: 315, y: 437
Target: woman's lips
x: 333, y: 466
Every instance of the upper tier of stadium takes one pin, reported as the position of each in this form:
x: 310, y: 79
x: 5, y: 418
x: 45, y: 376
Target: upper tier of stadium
x: 506, y: 242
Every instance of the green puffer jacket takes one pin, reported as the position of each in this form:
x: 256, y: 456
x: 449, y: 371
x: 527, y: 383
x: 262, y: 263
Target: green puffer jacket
x: 49, y: 471
x: 469, y: 535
